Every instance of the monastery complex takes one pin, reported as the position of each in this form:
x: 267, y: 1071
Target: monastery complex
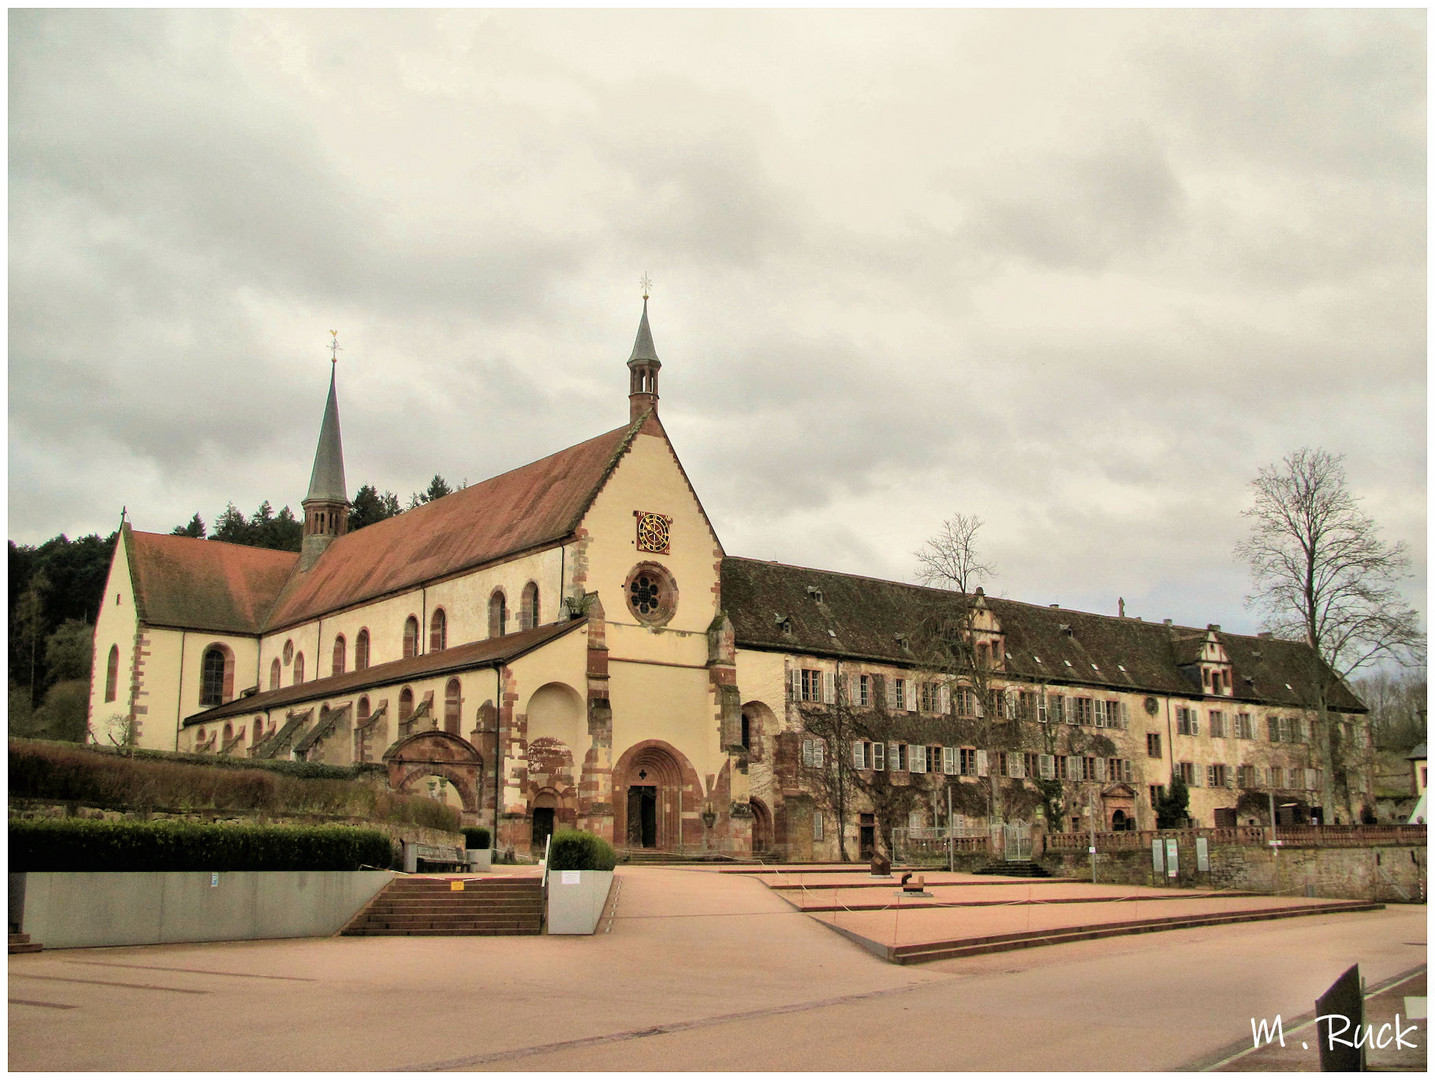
x: 568, y: 644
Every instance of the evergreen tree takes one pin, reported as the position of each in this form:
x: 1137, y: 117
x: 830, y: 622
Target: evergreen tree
x: 195, y: 528
x: 1172, y: 805
x: 370, y: 507
x: 437, y: 489
x: 231, y: 527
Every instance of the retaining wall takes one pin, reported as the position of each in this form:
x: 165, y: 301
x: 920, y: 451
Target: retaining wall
x: 63, y: 911
x: 1395, y: 873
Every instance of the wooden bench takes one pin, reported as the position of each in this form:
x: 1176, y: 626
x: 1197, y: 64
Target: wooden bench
x: 435, y: 858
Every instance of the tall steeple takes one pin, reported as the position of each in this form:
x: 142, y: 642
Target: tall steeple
x: 643, y: 367
x: 326, y: 507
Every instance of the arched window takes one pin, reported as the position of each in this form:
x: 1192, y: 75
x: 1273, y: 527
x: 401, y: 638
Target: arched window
x: 529, y: 615
x: 452, y: 706
x: 362, y: 710
x: 406, y: 703
x: 258, y: 735
x: 411, y: 637
x: 438, y: 631
x: 112, y: 673
x: 361, y: 650
x: 298, y: 668
x: 341, y: 650
x: 746, y: 732
x: 497, y: 614
x: 228, y: 732
x: 274, y: 674
x: 211, y: 681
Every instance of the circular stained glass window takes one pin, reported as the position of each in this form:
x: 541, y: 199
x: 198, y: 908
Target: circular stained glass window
x: 651, y: 593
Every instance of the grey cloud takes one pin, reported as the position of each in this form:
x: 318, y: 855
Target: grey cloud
x: 1079, y: 210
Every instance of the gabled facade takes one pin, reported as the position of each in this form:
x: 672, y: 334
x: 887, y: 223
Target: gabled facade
x: 568, y: 643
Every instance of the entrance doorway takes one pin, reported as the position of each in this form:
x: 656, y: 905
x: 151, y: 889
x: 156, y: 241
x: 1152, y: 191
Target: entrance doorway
x: 643, y: 815
x: 867, y: 837
x: 542, y: 827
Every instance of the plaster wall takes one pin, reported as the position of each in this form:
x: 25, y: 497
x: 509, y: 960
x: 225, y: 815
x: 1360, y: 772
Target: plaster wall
x: 668, y: 703
x: 464, y: 599
x: 115, y: 626
x: 648, y: 479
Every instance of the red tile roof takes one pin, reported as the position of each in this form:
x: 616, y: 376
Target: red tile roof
x: 205, y: 584
x: 531, y: 506
x: 455, y: 659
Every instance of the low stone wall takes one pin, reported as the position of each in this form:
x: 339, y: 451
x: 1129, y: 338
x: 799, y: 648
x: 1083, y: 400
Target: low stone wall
x: 1395, y: 873
x: 64, y: 911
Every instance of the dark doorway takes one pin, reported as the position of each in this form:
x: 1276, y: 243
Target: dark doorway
x: 643, y: 816
x: 867, y: 837
x: 542, y: 827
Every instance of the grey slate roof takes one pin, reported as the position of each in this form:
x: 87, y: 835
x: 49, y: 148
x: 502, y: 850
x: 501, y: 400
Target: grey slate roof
x: 326, y: 483
x: 866, y: 618
x: 643, y: 349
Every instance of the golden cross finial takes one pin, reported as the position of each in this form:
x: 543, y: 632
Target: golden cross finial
x: 334, y: 346
x: 647, y: 283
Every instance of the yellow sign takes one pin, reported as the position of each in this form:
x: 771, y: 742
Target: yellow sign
x: 456, y: 885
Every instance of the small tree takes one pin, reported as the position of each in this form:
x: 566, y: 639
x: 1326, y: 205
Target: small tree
x: 69, y: 651
x: 1321, y: 574
x: 1173, y: 804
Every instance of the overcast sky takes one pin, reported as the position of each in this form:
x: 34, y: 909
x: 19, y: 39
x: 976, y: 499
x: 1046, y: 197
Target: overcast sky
x: 1081, y: 274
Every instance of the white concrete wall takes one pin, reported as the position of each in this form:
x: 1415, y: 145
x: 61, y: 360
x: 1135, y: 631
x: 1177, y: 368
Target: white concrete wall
x: 66, y: 911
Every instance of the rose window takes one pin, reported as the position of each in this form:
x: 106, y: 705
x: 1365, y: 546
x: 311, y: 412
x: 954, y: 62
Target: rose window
x: 646, y: 595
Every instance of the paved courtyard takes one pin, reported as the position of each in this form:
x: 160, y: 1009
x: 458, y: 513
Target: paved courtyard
x: 698, y: 971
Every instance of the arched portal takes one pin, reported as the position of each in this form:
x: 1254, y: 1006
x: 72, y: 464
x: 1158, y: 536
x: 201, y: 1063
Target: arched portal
x: 655, y: 790
x: 761, y: 826
x: 438, y: 753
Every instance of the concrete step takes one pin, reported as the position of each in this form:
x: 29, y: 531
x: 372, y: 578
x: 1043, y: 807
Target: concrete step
x: 21, y: 943
x: 947, y: 950
x: 427, y: 906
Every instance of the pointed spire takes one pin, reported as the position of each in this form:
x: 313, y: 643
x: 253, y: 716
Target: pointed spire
x: 326, y: 507
x: 643, y: 350
x: 326, y: 483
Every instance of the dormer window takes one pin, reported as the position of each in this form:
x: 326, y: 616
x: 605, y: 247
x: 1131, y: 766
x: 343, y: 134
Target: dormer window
x: 814, y: 593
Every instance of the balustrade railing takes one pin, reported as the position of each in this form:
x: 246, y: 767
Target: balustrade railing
x: 1254, y: 835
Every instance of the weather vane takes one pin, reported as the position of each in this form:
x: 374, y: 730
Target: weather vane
x: 335, y: 347
x: 647, y: 283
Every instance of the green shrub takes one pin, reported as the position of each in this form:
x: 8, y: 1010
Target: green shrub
x: 149, y: 780
x: 476, y: 839
x: 574, y: 850
x: 76, y: 845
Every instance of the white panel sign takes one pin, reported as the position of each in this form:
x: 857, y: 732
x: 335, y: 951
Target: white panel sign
x: 1170, y: 858
x: 1158, y: 856
x: 570, y: 877
x: 1203, y: 860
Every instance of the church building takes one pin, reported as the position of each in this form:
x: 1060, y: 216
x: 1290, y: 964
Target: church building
x: 568, y: 644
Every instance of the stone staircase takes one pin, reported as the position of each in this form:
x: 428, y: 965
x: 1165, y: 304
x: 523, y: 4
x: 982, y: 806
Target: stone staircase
x: 654, y: 857
x: 21, y: 943
x: 427, y: 906
x: 1015, y: 869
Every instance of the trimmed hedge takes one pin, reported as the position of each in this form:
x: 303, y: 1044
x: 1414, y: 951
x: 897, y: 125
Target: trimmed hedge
x: 574, y: 850
x: 150, y: 781
x: 476, y: 839
x: 75, y: 845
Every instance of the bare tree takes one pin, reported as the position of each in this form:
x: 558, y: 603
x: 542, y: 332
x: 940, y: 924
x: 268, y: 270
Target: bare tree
x: 1320, y: 573
x: 950, y: 559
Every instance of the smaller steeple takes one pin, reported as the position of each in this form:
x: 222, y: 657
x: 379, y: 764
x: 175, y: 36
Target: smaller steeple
x: 326, y: 507
x: 643, y: 367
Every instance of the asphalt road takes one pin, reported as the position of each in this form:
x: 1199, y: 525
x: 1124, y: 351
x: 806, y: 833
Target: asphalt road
x: 700, y: 971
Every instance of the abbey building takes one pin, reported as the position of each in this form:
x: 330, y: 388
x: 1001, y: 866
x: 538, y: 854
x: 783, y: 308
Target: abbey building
x: 569, y: 644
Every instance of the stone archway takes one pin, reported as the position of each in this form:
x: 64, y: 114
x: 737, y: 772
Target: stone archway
x: 762, y: 837
x: 657, y: 799
x: 438, y: 753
